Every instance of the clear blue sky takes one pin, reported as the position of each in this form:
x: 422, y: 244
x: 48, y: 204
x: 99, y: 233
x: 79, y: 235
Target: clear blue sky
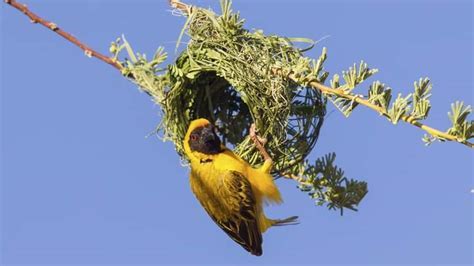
x: 82, y: 184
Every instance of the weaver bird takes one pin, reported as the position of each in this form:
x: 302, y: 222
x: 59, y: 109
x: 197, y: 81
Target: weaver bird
x: 230, y: 190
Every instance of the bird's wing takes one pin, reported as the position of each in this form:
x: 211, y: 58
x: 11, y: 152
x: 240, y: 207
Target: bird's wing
x: 240, y: 218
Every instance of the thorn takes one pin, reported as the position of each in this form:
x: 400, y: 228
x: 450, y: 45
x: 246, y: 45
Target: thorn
x: 52, y: 26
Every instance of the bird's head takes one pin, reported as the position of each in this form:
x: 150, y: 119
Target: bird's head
x: 201, y: 139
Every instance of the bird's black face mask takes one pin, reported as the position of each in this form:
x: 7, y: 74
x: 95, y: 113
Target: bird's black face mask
x: 205, y: 140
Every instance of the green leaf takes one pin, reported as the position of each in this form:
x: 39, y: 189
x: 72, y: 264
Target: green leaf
x: 380, y: 95
x: 461, y: 128
x: 399, y: 108
x: 326, y: 184
x: 355, y: 76
x: 421, y: 103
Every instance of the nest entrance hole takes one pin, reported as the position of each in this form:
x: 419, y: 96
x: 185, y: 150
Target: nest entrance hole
x: 218, y: 101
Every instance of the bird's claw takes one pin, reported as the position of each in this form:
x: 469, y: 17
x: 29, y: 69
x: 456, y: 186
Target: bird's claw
x: 252, y: 130
x: 253, y: 135
x: 259, y: 142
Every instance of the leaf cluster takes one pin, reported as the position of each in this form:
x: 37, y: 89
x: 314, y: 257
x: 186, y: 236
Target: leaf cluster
x: 411, y: 108
x: 327, y: 184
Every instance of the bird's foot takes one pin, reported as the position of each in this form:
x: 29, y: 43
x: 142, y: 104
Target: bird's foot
x: 259, y: 143
x: 253, y: 134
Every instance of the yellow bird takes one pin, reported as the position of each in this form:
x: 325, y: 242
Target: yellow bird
x: 230, y: 190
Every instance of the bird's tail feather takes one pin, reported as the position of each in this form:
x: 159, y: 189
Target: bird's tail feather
x: 287, y: 221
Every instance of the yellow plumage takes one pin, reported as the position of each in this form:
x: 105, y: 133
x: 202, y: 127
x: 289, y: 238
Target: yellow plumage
x: 230, y: 190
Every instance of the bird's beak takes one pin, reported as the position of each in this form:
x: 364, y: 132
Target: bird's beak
x: 208, y: 135
x: 211, y: 140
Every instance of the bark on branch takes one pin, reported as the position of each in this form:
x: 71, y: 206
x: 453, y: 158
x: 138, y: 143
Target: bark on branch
x: 66, y: 35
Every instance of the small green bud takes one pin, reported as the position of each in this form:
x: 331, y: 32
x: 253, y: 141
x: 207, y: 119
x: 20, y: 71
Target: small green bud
x: 113, y: 48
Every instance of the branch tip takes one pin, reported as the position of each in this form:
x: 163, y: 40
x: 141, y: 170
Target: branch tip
x: 177, y: 4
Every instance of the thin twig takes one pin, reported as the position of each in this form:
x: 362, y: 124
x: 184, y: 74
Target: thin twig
x: 298, y: 179
x: 52, y: 26
x: 407, y: 118
x: 185, y: 8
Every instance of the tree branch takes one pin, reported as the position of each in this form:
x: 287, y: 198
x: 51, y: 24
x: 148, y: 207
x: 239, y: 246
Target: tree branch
x: 52, y: 26
x: 407, y: 118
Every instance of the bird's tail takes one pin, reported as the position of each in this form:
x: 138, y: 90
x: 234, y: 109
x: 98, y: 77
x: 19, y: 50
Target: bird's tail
x: 287, y: 221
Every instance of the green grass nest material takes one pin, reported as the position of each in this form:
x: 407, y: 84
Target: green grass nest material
x: 235, y: 77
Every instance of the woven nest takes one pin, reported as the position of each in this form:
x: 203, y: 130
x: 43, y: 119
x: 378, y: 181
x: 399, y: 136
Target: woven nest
x: 233, y: 77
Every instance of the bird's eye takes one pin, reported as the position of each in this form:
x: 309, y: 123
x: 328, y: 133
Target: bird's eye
x: 193, y: 137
